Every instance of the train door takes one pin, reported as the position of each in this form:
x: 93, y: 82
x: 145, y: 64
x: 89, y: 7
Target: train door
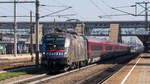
x: 81, y: 49
x: 84, y: 49
x: 72, y: 50
x: 109, y: 48
x: 76, y: 48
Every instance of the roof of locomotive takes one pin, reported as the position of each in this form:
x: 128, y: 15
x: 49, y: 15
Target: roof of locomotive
x: 56, y: 34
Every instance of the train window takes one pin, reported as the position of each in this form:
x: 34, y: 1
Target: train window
x: 108, y: 47
x: 50, y: 41
x: 60, y: 41
x: 121, y: 47
x: 96, y: 47
x: 116, y: 47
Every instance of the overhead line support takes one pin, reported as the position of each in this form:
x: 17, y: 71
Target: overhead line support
x: 15, y: 23
x: 17, y: 1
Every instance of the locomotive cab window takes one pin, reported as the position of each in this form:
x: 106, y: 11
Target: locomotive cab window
x: 60, y: 43
x: 57, y: 43
x: 96, y: 47
x: 49, y: 43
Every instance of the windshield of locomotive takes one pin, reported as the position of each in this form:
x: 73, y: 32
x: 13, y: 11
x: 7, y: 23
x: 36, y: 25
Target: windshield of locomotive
x: 55, y: 43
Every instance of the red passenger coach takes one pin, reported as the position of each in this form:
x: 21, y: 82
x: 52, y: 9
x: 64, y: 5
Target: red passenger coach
x: 102, y: 49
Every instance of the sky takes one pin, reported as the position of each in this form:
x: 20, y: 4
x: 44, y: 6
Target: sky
x: 84, y: 10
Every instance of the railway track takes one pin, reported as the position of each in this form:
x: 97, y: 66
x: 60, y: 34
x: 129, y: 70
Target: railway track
x: 44, y: 77
x: 99, y: 78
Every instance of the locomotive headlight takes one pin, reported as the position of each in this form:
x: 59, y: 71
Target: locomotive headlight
x: 44, y: 53
x: 65, y: 54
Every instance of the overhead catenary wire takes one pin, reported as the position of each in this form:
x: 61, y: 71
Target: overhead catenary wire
x: 24, y: 15
x: 112, y: 15
x: 26, y: 8
x: 5, y: 9
x: 55, y: 12
x: 74, y: 10
x: 116, y: 8
x: 8, y: 9
x: 105, y: 4
x: 97, y: 6
x: 53, y: 5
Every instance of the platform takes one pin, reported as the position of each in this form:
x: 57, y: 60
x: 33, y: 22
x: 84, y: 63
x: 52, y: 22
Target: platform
x: 18, y: 58
x: 135, y: 72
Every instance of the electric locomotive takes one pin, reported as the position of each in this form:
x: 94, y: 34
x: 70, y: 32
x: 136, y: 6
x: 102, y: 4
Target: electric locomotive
x: 64, y: 51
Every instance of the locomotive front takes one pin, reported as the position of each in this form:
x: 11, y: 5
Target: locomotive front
x: 55, y: 57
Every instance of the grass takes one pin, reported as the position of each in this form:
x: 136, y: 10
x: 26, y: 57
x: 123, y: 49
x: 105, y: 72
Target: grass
x: 8, y: 75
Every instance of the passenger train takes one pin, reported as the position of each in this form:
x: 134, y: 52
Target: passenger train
x: 69, y: 50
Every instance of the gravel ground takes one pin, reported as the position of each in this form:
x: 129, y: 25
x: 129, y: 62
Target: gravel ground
x: 76, y: 77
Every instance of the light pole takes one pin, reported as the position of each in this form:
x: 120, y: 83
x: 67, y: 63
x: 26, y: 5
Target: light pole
x: 15, y: 30
x: 37, y: 32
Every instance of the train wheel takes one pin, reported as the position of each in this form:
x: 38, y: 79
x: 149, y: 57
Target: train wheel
x: 83, y: 63
x: 86, y: 62
x: 77, y: 64
x: 73, y: 66
x: 67, y: 68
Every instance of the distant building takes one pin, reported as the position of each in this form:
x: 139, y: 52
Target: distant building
x: 92, y: 28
